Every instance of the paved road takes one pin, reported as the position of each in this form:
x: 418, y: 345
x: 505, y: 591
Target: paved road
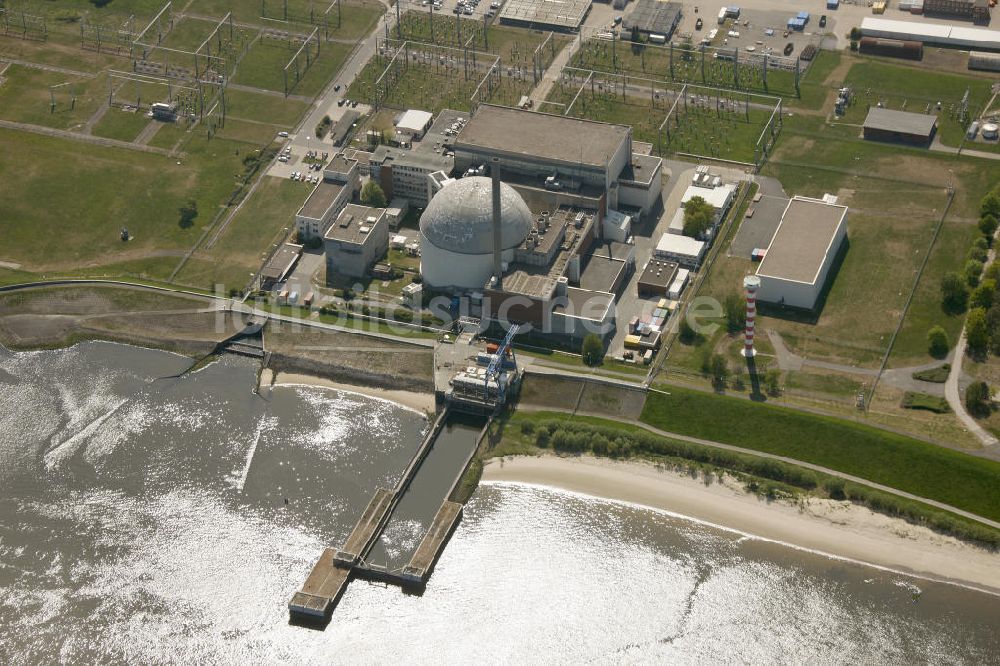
x: 86, y: 138
x: 954, y: 397
x: 792, y: 461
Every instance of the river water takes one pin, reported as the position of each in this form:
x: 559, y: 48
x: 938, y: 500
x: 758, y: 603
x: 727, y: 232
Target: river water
x: 151, y: 521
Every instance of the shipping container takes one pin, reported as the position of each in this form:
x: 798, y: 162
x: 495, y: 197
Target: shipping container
x: 655, y: 38
x: 722, y: 16
x: 633, y: 342
x: 647, y: 358
x: 308, y: 300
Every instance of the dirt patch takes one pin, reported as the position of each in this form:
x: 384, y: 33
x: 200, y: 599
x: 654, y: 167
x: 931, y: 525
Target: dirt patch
x: 587, y: 397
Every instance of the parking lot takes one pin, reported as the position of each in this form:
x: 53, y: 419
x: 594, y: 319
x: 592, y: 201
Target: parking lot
x: 470, y: 9
x: 749, y: 33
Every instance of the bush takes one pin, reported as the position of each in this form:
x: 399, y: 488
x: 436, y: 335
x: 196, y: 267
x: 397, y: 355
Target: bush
x: 937, y: 342
x: 686, y: 333
x: 188, y: 212
x: 971, y: 272
x: 954, y: 293
x: 772, y: 381
x: 698, y: 217
x: 719, y: 369
x: 977, y: 335
x: 990, y: 206
x: 977, y: 254
x: 982, y: 296
x: 988, y: 225
x: 592, y: 349
x: 736, y: 313
x: 977, y: 399
x: 372, y: 195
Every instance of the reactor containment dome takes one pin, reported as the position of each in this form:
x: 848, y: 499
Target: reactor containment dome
x: 456, y: 233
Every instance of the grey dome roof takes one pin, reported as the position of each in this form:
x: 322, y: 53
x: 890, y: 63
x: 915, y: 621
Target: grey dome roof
x: 460, y: 217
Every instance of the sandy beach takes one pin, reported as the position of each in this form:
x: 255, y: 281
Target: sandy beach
x: 838, y: 529
x: 421, y: 402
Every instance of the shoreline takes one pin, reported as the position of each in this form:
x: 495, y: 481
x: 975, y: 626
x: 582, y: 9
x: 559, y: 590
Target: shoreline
x: 419, y: 402
x: 830, y: 528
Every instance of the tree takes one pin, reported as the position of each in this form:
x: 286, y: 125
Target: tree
x: 982, y: 296
x: 977, y: 335
x: 954, y: 293
x: 977, y: 254
x: 372, y: 195
x: 772, y: 381
x: 937, y: 342
x: 971, y: 272
x: 736, y: 313
x: 978, y: 400
x: 188, y: 212
x: 698, y: 217
x: 719, y: 369
x: 990, y: 205
x: 592, y: 349
x: 988, y: 225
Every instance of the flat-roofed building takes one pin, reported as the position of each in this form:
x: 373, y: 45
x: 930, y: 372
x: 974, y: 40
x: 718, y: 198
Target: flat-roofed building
x: 413, y: 123
x: 403, y: 173
x: 320, y: 209
x: 683, y: 250
x: 567, y: 157
x: 530, y: 143
x: 900, y: 126
x: 652, y: 17
x: 563, y: 16
x: 657, y: 277
x: 358, y: 239
x: 280, y: 264
x: 797, y: 263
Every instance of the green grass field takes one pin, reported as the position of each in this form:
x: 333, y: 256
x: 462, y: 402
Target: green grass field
x: 239, y: 251
x: 121, y: 125
x: 263, y: 67
x: 26, y: 95
x: 926, y: 470
x: 262, y: 108
x: 111, y: 188
x: 187, y: 34
x: 357, y: 18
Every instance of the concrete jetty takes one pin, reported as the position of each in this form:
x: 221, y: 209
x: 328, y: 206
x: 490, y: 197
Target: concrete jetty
x: 321, y: 590
x: 422, y: 562
x: 367, y: 528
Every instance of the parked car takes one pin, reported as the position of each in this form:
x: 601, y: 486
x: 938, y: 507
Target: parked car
x: 698, y: 24
x: 340, y: 102
x: 283, y: 134
x: 822, y: 21
x: 789, y: 47
x: 336, y: 87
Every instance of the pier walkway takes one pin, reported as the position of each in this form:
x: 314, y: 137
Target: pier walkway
x: 422, y: 496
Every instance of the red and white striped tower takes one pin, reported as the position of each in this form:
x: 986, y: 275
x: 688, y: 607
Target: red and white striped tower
x: 751, y: 283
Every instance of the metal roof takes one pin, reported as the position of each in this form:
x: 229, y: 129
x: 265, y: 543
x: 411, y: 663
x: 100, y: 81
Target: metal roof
x: 573, y: 141
x: 653, y: 16
x: 904, y: 122
x: 564, y: 14
x: 460, y: 217
x: 803, y: 240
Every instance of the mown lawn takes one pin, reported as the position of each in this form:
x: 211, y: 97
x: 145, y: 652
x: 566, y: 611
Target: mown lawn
x: 104, y: 189
x: 907, y: 464
x: 121, y: 125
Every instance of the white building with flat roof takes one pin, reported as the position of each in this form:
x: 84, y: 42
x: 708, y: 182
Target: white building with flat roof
x: 795, y: 269
x: 683, y: 250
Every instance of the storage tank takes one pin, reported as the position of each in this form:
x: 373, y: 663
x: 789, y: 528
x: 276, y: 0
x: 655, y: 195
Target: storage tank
x: 990, y: 130
x: 989, y: 62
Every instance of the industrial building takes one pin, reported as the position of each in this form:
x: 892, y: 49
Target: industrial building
x: 403, y: 172
x: 412, y: 124
x: 657, y: 277
x: 565, y: 16
x: 977, y: 11
x: 900, y: 126
x: 686, y: 251
x: 543, y: 270
x: 795, y: 268
x: 358, y: 239
x: 280, y: 265
x: 456, y: 233
x: 339, y: 185
x: 652, y: 17
x: 928, y: 32
x: 574, y: 160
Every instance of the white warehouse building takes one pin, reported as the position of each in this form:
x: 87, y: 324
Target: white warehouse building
x: 456, y: 233
x: 797, y: 264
